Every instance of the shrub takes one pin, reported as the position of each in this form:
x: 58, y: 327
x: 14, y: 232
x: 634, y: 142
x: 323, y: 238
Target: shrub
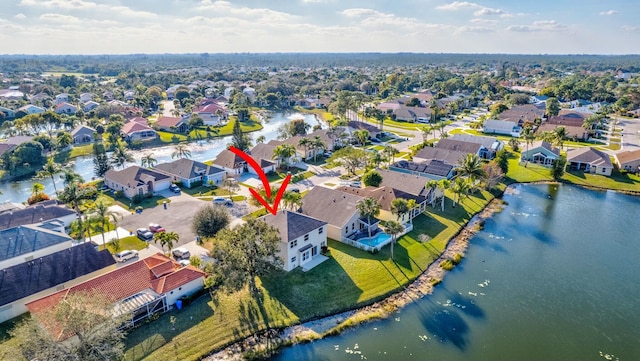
x: 37, y: 198
x: 447, y: 265
x: 457, y: 258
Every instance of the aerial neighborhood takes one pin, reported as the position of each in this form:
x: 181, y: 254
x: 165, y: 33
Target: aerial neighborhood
x: 129, y: 191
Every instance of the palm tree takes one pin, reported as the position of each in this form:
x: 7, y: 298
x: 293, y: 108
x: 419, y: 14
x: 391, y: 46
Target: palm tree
x: 170, y: 238
x: 69, y: 176
x: 36, y: 189
x: 393, y: 228
x: 426, y: 131
x: 529, y: 136
x: 375, y: 158
x: 115, y: 219
x: 120, y: 155
x: 181, y: 151
x: 368, y: 207
x: 284, y: 152
x: 561, y: 135
x: 470, y: 167
x: 50, y: 169
x: 514, y: 144
x: 75, y: 194
x: 261, y: 139
x: 399, y: 207
x: 411, y: 204
x: 160, y: 237
x: 362, y: 136
x: 148, y: 160
x: 305, y: 143
x: 63, y: 140
x: 459, y: 186
x: 443, y: 185
x: 390, y: 152
x: 316, y: 144
x: 102, y: 215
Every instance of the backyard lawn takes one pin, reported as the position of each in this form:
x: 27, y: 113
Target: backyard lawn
x: 352, y: 277
x: 131, y: 242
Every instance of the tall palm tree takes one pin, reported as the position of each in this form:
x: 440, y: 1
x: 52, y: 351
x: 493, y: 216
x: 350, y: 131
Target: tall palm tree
x: 261, y: 139
x: 306, y: 144
x: 75, y: 194
x: 443, y: 185
x: 361, y: 136
x: 390, y: 152
x: 102, y: 214
x: 120, y: 155
x: 284, y: 152
x: 181, y: 151
x: 317, y: 144
x: 459, y: 186
x: 368, y: 207
x: 50, y: 169
x: 36, y: 189
x: 399, y: 207
x: 160, y: 237
x: 393, y: 228
x: 411, y: 204
x: 470, y: 167
x: 167, y: 239
x: 69, y: 176
x: 148, y: 160
x: 529, y: 136
x: 560, y: 136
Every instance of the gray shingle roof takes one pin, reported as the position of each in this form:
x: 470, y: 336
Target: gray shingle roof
x: 33, y: 214
x: 407, y: 183
x: 292, y: 224
x: 589, y: 155
x: 329, y: 205
x: 188, y: 168
x: 27, y: 278
x: 20, y: 240
x: 486, y: 142
x: 432, y: 166
x: 448, y: 156
x: 459, y: 146
x: 228, y: 159
x: 133, y: 175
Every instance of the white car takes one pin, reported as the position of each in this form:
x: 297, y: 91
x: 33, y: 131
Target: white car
x: 222, y: 201
x: 126, y: 255
x: 181, y: 253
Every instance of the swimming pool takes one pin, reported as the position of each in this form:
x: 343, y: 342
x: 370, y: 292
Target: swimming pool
x: 379, y: 239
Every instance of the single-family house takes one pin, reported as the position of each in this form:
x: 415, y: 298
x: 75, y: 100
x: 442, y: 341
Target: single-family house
x: 540, y: 152
x: 461, y: 146
x: 572, y: 131
x: 385, y: 196
x: 12, y: 142
x: 234, y: 164
x: 308, y: 152
x: 490, y: 145
x: 90, y: 105
x: 265, y: 151
x: 107, y: 95
x: 26, y: 243
x: 42, y: 276
x: 301, y: 238
x: 171, y: 91
x: 48, y: 211
x: 66, y: 108
x: 135, y: 130
x: 129, y: 95
x: 62, y: 98
x: 190, y: 172
x: 8, y: 113
x: 86, y: 97
x: 413, y: 114
x: 537, y: 99
x: 137, y: 181
x: 172, y: 124
x: 211, y: 113
x: 142, y: 288
x: 250, y: 92
x: 433, y: 153
x: 32, y: 109
x: 504, y: 127
x: 228, y: 91
x: 432, y: 169
x: 527, y: 113
x: 11, y: 94
x: 336, y: 208
x: 628, y: 160
x: 589, y: 160
x: 83, y: 134
x: 408, y: 184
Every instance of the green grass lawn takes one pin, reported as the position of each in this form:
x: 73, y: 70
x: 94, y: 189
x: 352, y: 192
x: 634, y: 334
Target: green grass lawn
x: 131, y: 242
x: 127, y: 204
x: 352, y: 277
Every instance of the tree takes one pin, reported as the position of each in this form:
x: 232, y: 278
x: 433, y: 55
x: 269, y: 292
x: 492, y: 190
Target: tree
x: 239, y: 139
x: 529, y: 137
x: 148, y: 160
x: 261, y: 139
x: 560, y: 136
x: 399, y: 207
x: 63, y: 140
x: 305, y: 143
x: 50, y: 169
x: 284, y: 152
x: 459, y: 186
x: 120, y: 155
x: 101, y: 216
x: 553, y: 106
x: 209, y: 220
x: 244, y: 253
x: 390, y: 152
x: 317, y: 144
x: 514, y: 144
x: 443, y: 185
x: 557, y: 167
x: 426, y: 131
x: 502, y: 160
x: 69, y: 176
x: 293, y: 128
x: 291, y: 200
x: 393, y: 228
x: 181, y: 151
x: 100, y: 160
x: 362, y: 136
x: 493, y: 174
x: 166, y: 239
x: 87, y: 315
x: 470, y: 167
x: 372, y: 178
x: 368, y: 208
x: 76, y: 194
x: 36, y: 189
x: 351, y: 158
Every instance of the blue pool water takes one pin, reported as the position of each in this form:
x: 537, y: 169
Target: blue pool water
x: 375, y: 240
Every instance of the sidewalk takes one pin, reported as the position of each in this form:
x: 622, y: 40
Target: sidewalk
x: 108, y: 236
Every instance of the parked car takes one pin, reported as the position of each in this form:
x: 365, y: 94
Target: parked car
x: 155, y: 228
x: 184, y: 262
x: 181, y: 253
x: 295, y: 190
x: 144, y: 234
x: 174, y: 188
x: 126, y: 255
x: 327, y: 154
x: 222, y: 201
x: 356, y: 184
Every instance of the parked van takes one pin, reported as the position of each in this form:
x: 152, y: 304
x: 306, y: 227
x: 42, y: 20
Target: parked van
x: 126, y: 255
x: 181, y: 253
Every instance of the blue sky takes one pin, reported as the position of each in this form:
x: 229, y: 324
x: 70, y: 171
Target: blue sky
x: 188, y: 26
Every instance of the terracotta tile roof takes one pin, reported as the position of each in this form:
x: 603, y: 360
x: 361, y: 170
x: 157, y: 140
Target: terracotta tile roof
x: 134, y: 126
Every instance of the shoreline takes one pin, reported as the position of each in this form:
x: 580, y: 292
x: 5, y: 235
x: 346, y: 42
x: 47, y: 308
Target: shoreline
x: 269, y: 341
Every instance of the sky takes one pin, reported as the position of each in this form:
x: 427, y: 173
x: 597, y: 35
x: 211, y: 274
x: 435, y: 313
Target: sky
x: 258, y: 26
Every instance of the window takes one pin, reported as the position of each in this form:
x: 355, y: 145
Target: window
x: 293, y: 260
x: 306, y: 237
x: 320, y: 230
x: 346, y: 229
x: 179, y: 288
x: 353, y: 226
x: 305, y: 256
x: 293, y: 243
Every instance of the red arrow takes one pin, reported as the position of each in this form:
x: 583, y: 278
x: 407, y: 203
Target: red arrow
x: 265, y: 182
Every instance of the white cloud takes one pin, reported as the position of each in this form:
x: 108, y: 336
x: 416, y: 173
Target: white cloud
x: 20, y: 16
x: 475, y: 29
x: 63, y: 4
x: 458, y: 5
x: 483, y: 21
x: 59, y: 18
x: 541, y: 25
x: 226, y: 8
x: 630, y: 28
x: 489, y: 11
x: 317, y: 1
x: 610, y: 12
x: 375, y: 19
x: 80, y: 5
x: 359, y: 12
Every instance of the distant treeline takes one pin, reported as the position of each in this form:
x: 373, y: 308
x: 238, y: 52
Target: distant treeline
x: 112, y: 65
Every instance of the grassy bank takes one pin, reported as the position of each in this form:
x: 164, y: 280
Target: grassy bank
x: 352, y: 277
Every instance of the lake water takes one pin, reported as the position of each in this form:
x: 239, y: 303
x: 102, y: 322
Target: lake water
x: 204, y: 150
x: 547, y: 279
